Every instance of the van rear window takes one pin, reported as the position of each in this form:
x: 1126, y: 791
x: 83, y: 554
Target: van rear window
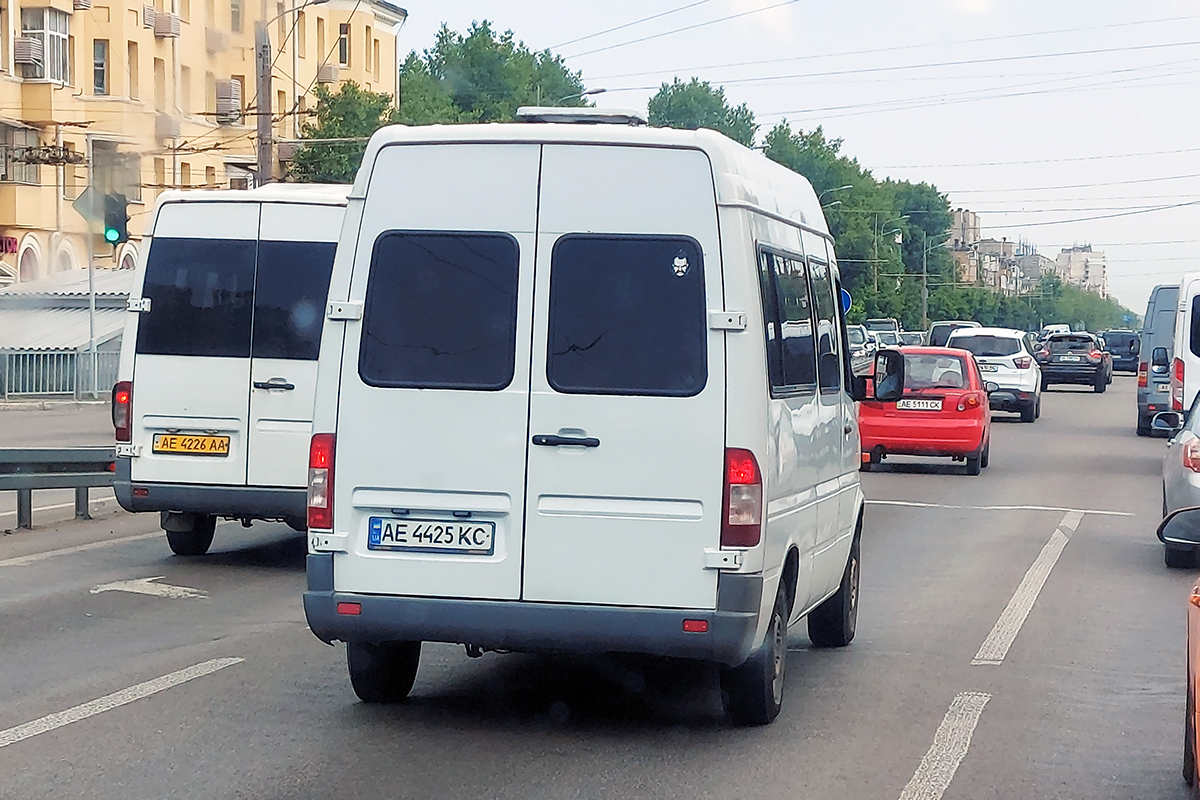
x: 200, y: 293
x: 627, y: 316
x: 441, y: 311
x: 290, y: 289
x: 1194, y: 327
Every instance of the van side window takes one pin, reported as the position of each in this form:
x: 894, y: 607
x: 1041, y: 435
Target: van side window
x: 828, y: 361
x: 1194, y: 328
x: 440, y: 311
x: 627, y: 316
x: 787, y: 309
x: 200, y: 292
x: 290, y: 288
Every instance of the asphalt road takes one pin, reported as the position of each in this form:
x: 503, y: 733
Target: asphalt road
x: 57, y: 425
x: 1082, y: 696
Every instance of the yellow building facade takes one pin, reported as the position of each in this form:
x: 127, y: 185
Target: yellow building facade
x: 163, y: 96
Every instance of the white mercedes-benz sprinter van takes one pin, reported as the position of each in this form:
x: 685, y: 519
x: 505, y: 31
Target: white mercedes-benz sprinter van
x: 213, y: 411
x: 1185, y: 366
x: 583, y: 388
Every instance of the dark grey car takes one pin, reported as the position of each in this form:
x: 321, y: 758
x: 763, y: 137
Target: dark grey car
x: 1157, y: 349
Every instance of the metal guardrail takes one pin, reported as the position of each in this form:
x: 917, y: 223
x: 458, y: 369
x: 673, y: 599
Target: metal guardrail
x: 56, y: 372
x: 23, y: 469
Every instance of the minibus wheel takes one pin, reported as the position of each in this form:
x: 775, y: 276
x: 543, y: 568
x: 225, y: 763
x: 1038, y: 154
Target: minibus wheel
x: 382, y: 672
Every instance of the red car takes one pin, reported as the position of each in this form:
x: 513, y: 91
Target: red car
x: 944, y: 411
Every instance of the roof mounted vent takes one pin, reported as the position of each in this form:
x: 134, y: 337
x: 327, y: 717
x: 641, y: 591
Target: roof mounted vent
x: 581, y: 116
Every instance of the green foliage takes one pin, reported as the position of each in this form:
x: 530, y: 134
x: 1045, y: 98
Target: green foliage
x: 346, y: 112
x: 698, y: 105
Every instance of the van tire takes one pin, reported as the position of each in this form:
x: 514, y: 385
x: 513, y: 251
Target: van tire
x: 382, y: 672
x: 1143, y: 425
x: 832, y: 624
x: 196, y: 541
x: 753, y: 692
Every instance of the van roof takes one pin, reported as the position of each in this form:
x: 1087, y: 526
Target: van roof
x: 331, y: 194
x: 744, y: 178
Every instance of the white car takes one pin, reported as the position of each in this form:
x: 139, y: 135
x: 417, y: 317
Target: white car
x: 581, y: 389
x: 1005, y: 358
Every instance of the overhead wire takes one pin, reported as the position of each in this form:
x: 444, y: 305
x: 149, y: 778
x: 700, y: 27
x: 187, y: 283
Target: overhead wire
x: 630, y: 24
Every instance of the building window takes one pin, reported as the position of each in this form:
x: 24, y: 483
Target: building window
x: 210, y: 177
x: 344, y: 44
x: 50, y: 26
x: 185, y: 89
x: 99, y: 66
x: 282, y: 23
x: 375, y: 58
x: 131, y: 64
x: 235, y: 15
x: 185, y: 10
x: 301, y: 35
x: 366, y: 53
x: 185, y: 175
x: 282, y: 111
x: 210, y: 94
x: 11, y: 170
x: 160, y: 85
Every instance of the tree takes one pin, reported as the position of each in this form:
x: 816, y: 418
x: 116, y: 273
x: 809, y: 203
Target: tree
x: 697, y: 104
x: 348, y: 112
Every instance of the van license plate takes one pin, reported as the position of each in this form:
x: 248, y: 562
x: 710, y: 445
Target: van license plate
x: 919, y: 405
x: 431, y: 536
x: 191, y: 445
x: 1164, y: 387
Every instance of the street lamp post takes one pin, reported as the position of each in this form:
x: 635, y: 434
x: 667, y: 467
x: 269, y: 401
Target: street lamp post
x: 926, y: 247
x: 835, y: 189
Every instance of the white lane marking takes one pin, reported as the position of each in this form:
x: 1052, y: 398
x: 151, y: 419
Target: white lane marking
x: 1071, y: 520
x: 995, y: 646
x: 148, y: 586
x: 59, y: 506
x: 914, y: 504
x: 110, y: 701
x: 20, y: 561
x: 949, y: 747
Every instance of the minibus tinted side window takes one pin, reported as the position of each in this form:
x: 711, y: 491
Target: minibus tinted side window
x: 827, y: 332
x: 627, y: 316
x: 441, y: 311
x: 1194, y: 334
x: 796, y: 320
x: 200, y: 292
x: 290, y: 289
x: 766, y: 285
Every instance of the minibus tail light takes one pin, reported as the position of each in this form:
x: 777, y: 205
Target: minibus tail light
x: 320, y: 481
x: 741, y: 518
x: 1177, y: 386
x: 122, y: 403
x: 1143, y: 375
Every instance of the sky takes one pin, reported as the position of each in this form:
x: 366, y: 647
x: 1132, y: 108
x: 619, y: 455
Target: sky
x: 1059, y: 122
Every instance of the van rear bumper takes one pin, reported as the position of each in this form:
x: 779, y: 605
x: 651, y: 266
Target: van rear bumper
x: 232, y: 501
x: 538, y: 627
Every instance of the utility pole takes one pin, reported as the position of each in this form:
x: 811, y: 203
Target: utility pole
x: 924, y: 280
x: 262, y: 108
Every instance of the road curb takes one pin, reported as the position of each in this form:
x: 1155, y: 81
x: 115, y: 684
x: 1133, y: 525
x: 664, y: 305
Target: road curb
x: 50, y: 405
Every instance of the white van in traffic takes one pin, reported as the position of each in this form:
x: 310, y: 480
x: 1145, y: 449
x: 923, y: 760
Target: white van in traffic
x: 583, y: 388
x: 1185, y: 366
x: 213, y: 411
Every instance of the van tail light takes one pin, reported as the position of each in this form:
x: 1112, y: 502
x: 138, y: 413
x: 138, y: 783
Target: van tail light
x: 1191, y: 455
x: 741, y: 517
x: 1177, y: 386
x: 1143, y: 375
x: 1024, y: 362
x: 320, y: 481
x: 122, y: 415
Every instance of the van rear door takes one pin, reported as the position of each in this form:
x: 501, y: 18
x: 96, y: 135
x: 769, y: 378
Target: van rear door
x: 627, y: 406
x: 434, y: 399
x: 192, y: 364
x: 295, y: 256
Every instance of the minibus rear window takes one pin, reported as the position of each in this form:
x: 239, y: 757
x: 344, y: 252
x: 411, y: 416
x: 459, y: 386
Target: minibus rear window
x: 200, y: 293
x: 627, y: 316
x: 1194, y: 334
x: 441, y: 312
x: 290, y: 289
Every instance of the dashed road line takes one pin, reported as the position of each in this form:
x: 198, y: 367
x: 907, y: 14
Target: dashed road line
x: 1080, y: 511
x: 33, y: 558
x: 151, y: 587
x: 1004, y: 633
x: 115, y: 700
x: 950, y: 745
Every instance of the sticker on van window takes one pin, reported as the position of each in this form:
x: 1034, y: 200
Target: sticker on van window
x: 680, y: 264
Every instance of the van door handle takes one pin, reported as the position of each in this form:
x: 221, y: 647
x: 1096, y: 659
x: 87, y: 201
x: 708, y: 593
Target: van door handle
x: 546, y: 440
x: 275, y: 383
x: 848, y: 429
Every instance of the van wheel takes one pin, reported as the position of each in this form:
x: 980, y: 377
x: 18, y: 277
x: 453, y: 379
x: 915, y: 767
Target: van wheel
x: 196, y: 541
x: 974, y: 464
x: 383, y: 672
x: 1143, y: 425
x: 832, y: 623
x: 753, y: 692
x: 1179, y: 557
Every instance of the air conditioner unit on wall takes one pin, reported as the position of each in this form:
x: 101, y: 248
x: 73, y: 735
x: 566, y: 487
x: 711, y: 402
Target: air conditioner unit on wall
x: 328, y: 73
x: 166, y: 127
x: 82, y: 5
x: 229, y: 101
x: 147, y: 16
x: 215, y: 41
x: 27, y: 50
x: 166, y: 26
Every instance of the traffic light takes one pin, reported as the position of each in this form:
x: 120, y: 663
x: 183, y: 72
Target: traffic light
x: 116, y: 220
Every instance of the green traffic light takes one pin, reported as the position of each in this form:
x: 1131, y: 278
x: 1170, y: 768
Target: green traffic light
x: 111, y: 235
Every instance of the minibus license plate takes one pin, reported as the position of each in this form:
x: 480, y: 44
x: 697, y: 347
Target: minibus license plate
x: 1164, y: 387
x: 431, y: 536
x: 913, y: 404
x: 191, y: 445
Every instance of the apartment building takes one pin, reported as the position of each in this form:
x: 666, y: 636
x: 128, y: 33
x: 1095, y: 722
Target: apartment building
x: 1084, y: 267
x: 165, y: 94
